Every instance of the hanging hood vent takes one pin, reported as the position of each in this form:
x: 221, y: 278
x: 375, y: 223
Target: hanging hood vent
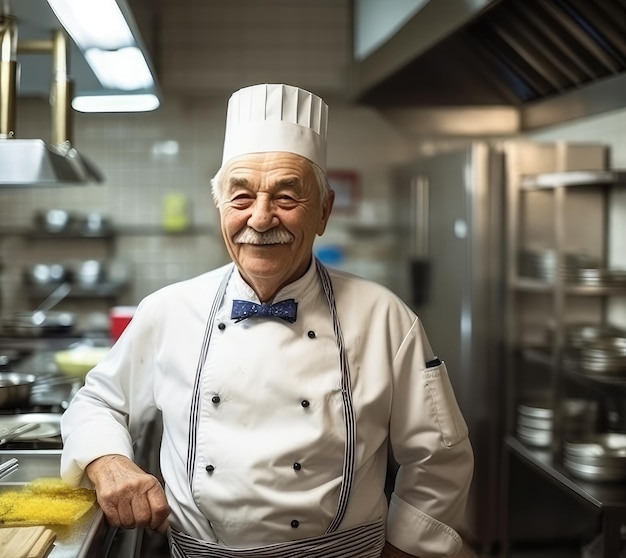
x: 551, y: 59
x: 32, y: 162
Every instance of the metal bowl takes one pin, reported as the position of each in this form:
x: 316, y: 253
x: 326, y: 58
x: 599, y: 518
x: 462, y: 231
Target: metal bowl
x: 15, y: 389
x: 595, y: 472
x: 54, y: 220
x: 44, y: 274
x: 597, y: 445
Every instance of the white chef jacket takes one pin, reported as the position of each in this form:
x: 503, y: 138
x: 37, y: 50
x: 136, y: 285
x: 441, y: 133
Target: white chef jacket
x: 270, y: 431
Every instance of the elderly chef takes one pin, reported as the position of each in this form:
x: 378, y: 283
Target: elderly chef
x: 282, y: 384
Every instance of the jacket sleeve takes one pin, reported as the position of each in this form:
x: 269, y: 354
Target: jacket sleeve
x: 121, y: 386
x: 429, y: 441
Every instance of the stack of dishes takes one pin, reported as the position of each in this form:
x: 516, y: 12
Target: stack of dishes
x: 535, y: 420
x: 600, y: 457
x: 602, y: 359
x: 578, y: 335
x: 534, y: 423
x: 542, y: 264
x: 600, y: 277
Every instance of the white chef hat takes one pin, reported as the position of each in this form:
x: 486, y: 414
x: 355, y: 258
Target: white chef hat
x: 276, y: 117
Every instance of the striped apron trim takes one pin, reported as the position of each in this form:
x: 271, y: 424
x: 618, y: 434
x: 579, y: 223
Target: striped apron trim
x: 360, y: 542
x: 346, y: 393
x: 363, y: 541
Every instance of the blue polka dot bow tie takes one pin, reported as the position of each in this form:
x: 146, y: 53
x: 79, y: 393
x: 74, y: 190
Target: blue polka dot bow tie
x: 285, y: 310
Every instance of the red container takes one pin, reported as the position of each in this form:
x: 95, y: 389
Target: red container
x: 120, y: 317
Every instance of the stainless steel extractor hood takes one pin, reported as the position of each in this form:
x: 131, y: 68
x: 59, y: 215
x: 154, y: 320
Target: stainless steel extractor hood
x: 33, y: 162
x: 547, y: 60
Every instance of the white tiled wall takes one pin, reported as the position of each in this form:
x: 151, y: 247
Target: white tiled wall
x: 138, y: 179
x: 139, y: 174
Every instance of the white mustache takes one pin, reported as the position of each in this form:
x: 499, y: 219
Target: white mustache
x: 273, y: 236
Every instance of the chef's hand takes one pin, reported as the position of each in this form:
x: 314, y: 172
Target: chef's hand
x: 128, y: 496
x: 391, y: 551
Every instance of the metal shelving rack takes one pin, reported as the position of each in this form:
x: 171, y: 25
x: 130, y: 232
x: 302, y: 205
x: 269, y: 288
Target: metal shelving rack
x: 556, y: 297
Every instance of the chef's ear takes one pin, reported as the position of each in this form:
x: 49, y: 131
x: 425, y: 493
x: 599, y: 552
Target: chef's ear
x: 216, y: 187
x: 327, y: 208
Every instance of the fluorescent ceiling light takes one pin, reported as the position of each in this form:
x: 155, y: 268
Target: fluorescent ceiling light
x: 94, y: 23
x: 116, y: 103
x: 124, y: 69
x: 106, y: 33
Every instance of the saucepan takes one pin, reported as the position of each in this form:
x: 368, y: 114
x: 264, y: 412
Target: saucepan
x: 15, y: 389
x: 37, y: 324
x: 42, y: 321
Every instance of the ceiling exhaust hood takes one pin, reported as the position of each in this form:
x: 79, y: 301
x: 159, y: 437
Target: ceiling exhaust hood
x: 546, y: 61
x: 32, y: 162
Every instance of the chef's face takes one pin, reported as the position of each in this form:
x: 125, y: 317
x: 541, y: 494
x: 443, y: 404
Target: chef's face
x: 271, y: 210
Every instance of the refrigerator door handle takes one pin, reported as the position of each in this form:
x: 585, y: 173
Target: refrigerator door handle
x: 419, y: 217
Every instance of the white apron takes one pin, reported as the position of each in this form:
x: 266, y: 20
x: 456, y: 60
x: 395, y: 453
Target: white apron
x: 362, y: 541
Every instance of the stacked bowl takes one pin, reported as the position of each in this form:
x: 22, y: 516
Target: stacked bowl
x: 535, y: 420
x: 598, y: 457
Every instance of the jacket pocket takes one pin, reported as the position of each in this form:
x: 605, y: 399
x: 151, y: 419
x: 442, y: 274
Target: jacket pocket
x: 444, y: 405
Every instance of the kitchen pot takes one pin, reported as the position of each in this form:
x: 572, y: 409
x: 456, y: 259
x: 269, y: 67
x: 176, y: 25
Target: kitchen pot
x: 15, y: 389
x: 89, y: 273
x: 54, y: 220
x: 43, y: 321
x: 599, y: 456
x: 94, y: 223
x: 44, y: 274
x: 8, y: 357
x: 39, y: 324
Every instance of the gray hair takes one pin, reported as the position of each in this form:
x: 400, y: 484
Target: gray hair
x: 217, y: 183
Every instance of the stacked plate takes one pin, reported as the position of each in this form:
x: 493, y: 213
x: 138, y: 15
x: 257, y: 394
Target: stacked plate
x: 600, y: 457
x: 603, y: 358
x: 600, y: 277
x: 542, y: 264
x: 534, y: 423
x: 578, y: 335
x: 535, y: 420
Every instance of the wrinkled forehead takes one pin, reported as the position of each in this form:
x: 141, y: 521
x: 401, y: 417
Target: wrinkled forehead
x: 269, y: 168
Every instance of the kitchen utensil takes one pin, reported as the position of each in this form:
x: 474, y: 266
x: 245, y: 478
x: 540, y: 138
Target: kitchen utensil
x: 15, y: 389
x: 8, y: 357
x: 54, y: 390
x: 604, y: 357
x: 29, y: 324
x: 56, y: 296
x: 88, y: 273
x: 49, y: 424
x: 54, y: 220
x: 42, y: 320
x: 17, y: 432
x: 26, y: 542
x: 600, y: 456
x: 44, y: 274
x: 94, y: 223
x: 8, y: 467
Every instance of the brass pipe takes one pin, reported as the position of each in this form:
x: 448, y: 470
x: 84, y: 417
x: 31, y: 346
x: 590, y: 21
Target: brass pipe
x: 8, y: 76
x: 35, y: 46
x: 61, y: 90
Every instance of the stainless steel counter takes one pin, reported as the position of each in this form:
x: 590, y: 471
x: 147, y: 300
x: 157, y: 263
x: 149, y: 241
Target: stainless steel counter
x: 90, y: 536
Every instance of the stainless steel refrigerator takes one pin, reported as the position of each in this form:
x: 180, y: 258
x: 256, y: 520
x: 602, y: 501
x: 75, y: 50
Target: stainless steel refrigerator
x: 450, y: 268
